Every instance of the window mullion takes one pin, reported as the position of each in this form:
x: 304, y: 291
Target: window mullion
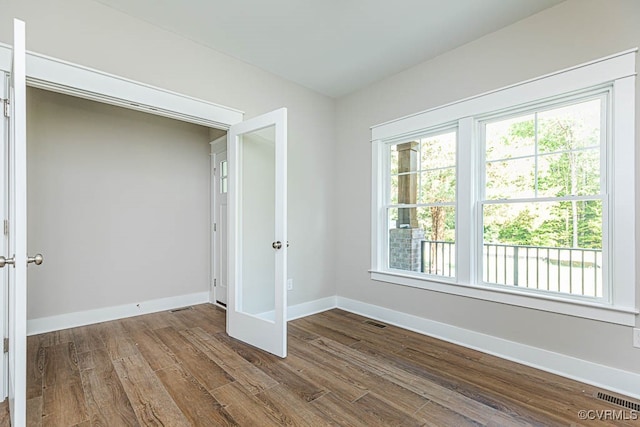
x: 465, y: 200
x: 622, y: 221
x: 535, y: 142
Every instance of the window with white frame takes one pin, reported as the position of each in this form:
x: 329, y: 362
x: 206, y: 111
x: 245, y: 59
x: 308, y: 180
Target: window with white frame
x: 541, y: 202
x: 421, y: 204
x: 524, y: 195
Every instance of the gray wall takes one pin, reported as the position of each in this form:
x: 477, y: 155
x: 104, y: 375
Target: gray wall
x: 91, y: 34
x: 571, y: 33
x: 118, y: 203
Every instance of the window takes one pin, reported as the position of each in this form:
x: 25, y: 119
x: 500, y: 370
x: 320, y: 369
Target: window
x: 421, y: 204
x: 544, y: 188
x: 524, y: 195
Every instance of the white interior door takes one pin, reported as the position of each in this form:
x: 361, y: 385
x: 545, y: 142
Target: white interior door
x: 16, y: 263
x: 256, y: 311
x: 221, y: 188
x: 4, y: 236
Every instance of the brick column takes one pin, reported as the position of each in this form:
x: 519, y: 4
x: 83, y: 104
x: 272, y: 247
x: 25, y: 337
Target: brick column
x: 405, y: 252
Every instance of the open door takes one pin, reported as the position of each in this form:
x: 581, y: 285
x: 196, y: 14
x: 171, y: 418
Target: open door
x: 16, y: 259
x: 257, y: 250
x: 220, y: 213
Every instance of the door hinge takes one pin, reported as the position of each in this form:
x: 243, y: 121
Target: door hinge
x: 214, y: 227
x: 6, y: 227
x: 6, y: 345
x: 7, y: 110
x: 215, y: 282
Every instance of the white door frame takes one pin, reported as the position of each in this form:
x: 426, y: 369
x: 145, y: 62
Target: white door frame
x: 71, y: 79
x: 60, y: 76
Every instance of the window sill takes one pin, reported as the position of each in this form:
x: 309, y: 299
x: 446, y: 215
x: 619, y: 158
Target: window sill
x: 551, y: 303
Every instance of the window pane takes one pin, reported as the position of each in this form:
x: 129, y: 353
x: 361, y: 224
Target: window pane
x: 423, y: 240
x: 509, y: 138
x: 393, y: 158
x: 223, y: 168
x: 568, y: 128
x: 574, y: 173
x: 393, y: 190
x: 552, y: 246
x: 510, y: 179
x: 438, y: 151
x: 438, y: 186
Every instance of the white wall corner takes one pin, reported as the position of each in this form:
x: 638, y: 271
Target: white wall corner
x: 89, y: 317
x: 606, y: 377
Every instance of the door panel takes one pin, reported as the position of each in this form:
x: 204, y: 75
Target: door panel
x: 4, y: 246
x: 17, y: 274
x: 256, y: 312
x: 221, y: 249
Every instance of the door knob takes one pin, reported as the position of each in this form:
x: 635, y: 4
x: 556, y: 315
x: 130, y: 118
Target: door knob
x: 4, y: 261
x: 37, y: 260
x: 276, y: 245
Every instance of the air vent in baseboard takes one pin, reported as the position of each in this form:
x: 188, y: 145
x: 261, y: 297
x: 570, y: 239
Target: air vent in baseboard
x: 618, y: 401
x: 175, y: 310
x: 376, y: 324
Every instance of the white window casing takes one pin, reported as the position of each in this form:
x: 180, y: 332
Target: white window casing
x: 613, y: 75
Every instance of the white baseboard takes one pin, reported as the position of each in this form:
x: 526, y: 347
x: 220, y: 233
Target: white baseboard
x: 88, y: 317
x: 312, y: 307
x: 303, y: 309
x: 605, y: 377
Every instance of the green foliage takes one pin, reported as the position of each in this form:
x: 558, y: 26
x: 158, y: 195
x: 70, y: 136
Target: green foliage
x: 567, y: 163
x: 517, y: 231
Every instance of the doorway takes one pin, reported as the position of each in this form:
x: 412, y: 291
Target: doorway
x: 118, y: 202
x: 65, y: 78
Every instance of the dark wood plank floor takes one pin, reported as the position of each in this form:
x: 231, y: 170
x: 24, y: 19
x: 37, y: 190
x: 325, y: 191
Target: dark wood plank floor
x: 181, y: 369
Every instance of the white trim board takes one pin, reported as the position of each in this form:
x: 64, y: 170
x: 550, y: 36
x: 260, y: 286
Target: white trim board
x: 301, y: 310
x: 309, y: 308
x: 89, y: 317
x: 605, y: 377
x: 576, y: 78
x: 65, y: 77
x: 81, y: 318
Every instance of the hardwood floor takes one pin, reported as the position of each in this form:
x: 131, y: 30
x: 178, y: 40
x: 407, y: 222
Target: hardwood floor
x: 181, y: 369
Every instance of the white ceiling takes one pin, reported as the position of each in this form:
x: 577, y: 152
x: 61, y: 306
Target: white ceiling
x: 332, y: 46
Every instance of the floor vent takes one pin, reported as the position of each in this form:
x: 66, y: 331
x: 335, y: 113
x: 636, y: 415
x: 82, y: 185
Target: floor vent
x: 175, y: 310
x: 618, y: 401
x: 376, y: 324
